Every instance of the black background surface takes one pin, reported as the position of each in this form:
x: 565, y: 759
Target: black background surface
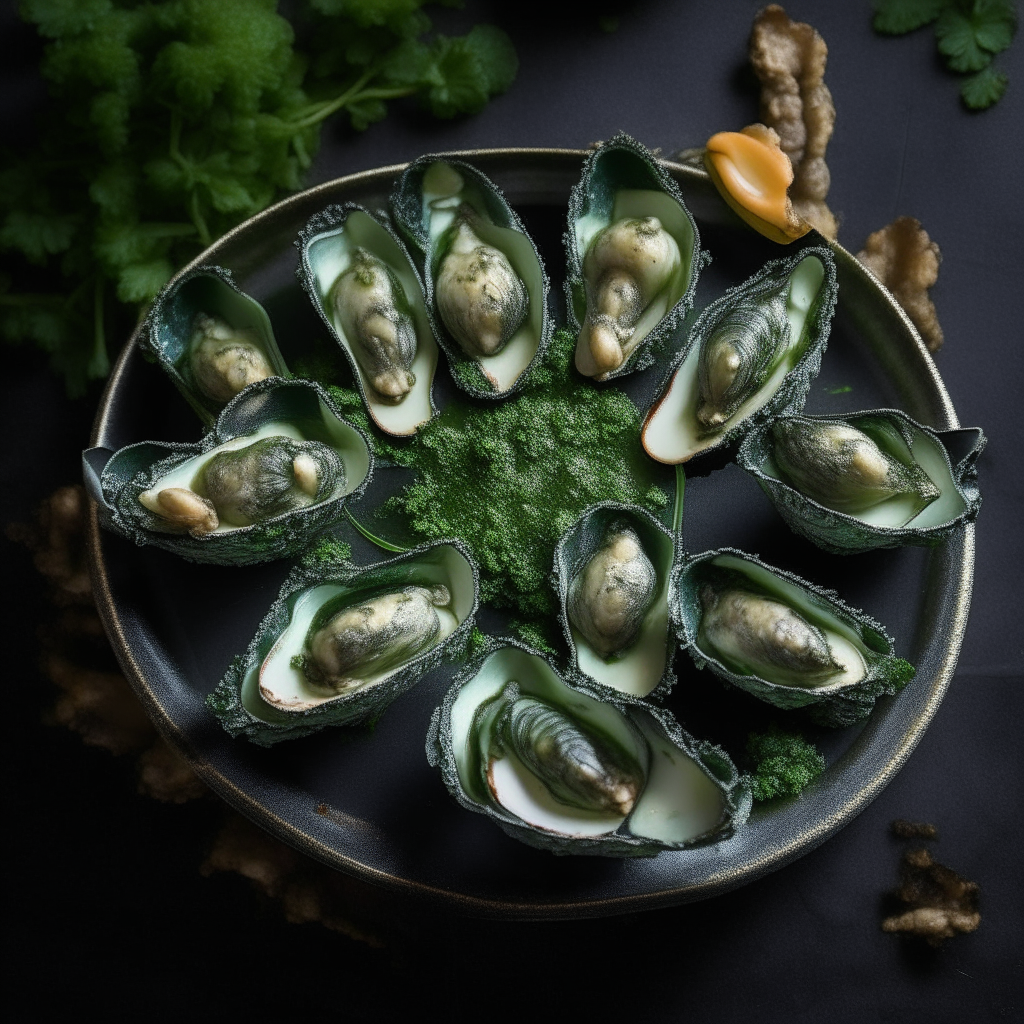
x: 106, y: 907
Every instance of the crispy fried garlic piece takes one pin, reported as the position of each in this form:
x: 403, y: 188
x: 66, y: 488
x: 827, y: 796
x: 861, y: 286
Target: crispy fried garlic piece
x: 903, y: 829
x: 753, y: 174
x: 789, y: 58
x: 939, y: 902
x: 906, y: 261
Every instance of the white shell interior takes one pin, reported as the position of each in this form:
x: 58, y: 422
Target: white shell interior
x: 346, y: 442
x: 847, y: 647
x: 274, y: 685
x: 898, y: 511
x: 639, y: 670
x: 329, y: 256
x: 670, y: 433
x: 647, y: 203
x: 678, y: 803
x: 443, y: 191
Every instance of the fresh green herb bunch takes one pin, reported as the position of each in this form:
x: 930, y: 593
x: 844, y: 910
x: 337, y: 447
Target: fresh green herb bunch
x: 172, y: 121
x: 783, y: 763
x: 968, y: 33
x: 511, y: 478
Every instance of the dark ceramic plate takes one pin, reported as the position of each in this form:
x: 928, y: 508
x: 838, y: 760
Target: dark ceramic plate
x: 367, y: 802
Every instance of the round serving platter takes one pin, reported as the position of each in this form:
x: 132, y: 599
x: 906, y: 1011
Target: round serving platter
x: 365, y: 801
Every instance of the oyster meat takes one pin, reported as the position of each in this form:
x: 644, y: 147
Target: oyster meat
x: 578, y: 766
x: 560, y: 769
x: 242, y: 486
x: 480, y: 297
x: 612, y: 593
x: 738, y: 355
x: 627, y: 265
x: 844, y: 469
x: 372, y: 637
x: 223, y: 359
x: 369, y: 304
x: 751, y: 355
x: 757, y: 635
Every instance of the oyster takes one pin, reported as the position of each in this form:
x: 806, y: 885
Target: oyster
x: 559, y: 769
x: 367, y: 301
x: 479, y: 297
x: 866, y: 480
x: 212, y: 339
x: 634, y: 258
x: 751, y: 355
x: 783, y: 639
x: 614, y: 570
x: 485, y: 282
x: 225, y: 360
x: 362, y: 282
x: 341, y: 642
x: 242, y: 486
x: 278, y: 467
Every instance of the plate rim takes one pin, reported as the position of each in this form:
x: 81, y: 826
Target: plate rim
x: 712, y: 885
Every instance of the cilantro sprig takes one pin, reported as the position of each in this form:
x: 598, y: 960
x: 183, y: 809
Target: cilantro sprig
x: 968, y: 33
x: 171, y: 121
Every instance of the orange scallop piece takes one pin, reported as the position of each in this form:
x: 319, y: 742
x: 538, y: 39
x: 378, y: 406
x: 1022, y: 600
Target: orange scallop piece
x: 752, y: 173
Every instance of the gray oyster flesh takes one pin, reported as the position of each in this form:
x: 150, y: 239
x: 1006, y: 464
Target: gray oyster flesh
x: 578, y: 767
x: 344, y: 647
x: 843, y: 468
x: 757, y: 635
x: 268, y: 478
x: 224, y: 360
x: 738, y: 355
x: 609, y: 597
x: 627, y: 264
x: 480, y: 297
x: 373, y: 312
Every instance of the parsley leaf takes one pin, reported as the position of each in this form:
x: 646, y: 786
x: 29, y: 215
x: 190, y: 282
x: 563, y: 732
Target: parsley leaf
x: 983, y: 89
x: 968, y: 33
x: 894, y: 17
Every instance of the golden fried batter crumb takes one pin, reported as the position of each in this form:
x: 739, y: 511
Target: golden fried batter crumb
x: 789, y: 58
x: 906, y: 261
x: 939, y: 902
x: 903, y: 829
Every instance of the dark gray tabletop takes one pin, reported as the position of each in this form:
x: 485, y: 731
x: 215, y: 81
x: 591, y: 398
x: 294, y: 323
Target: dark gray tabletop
x: 108, y: 910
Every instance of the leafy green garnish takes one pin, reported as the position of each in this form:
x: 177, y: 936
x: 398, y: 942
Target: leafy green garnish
x: 968, y: 33
x: 783, y: 763
x: 170, y: 122
x: 983, y: 89
x: 510, y: 479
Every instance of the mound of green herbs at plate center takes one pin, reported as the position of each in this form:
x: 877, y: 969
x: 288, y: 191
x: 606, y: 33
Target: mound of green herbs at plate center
x: 512, y: 477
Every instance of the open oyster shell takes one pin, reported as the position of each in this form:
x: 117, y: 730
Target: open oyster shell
x: 298, y: 410
x: 947, y: 457
x: 778, y: 323
x: 265, y: 694
x: 688, y: 792
x: 622, y: 186
x: 327, y: 245
x: 589, y: 570
x: 845, y: 657
x: 243, y: 351
x: 440, y: 204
